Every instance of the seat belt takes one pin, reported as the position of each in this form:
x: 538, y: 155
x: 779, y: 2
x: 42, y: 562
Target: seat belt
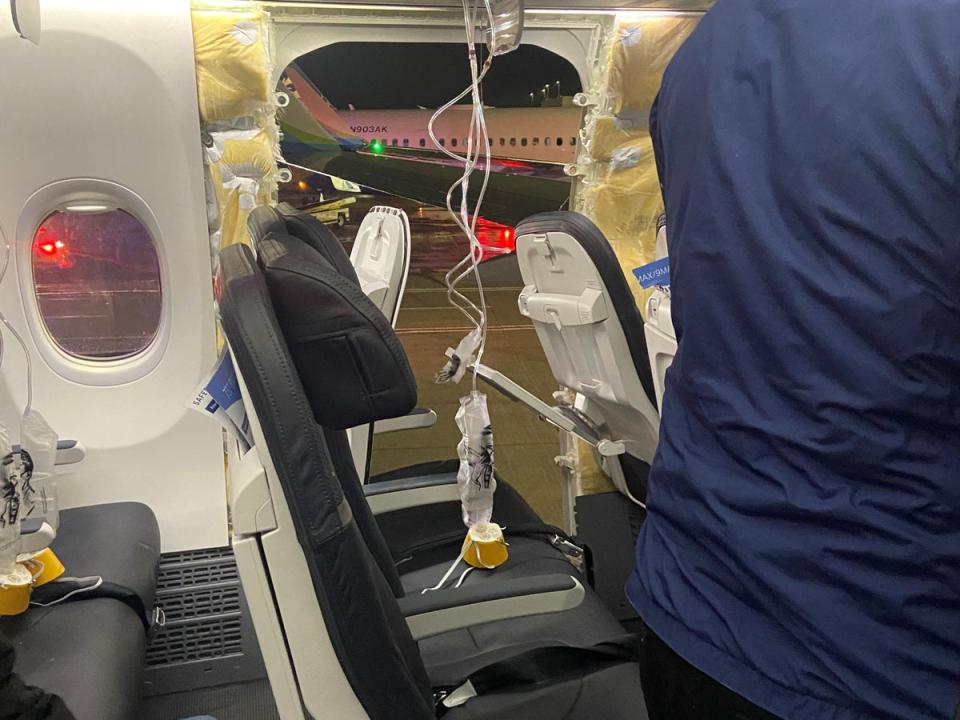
x: 538, y: 668
x: 69, y: 589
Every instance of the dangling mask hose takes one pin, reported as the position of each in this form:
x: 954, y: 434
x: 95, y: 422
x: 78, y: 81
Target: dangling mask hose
x: 484, y: 546
x: 15, y: 580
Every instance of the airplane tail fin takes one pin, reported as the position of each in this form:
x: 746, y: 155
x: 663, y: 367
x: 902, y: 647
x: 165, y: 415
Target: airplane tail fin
x: 321, y: 110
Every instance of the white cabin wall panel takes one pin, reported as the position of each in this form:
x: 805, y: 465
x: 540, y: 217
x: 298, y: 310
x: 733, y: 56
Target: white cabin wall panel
x: 110, y: 93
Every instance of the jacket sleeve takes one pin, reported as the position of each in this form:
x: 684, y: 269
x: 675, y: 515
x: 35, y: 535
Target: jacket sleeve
x: 22, y: 702
x: 654, y: 125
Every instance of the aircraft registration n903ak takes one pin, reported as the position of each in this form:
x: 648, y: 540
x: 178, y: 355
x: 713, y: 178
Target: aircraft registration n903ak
x: 209, y: 396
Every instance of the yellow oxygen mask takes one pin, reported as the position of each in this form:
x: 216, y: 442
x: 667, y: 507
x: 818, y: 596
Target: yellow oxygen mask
x: 485, y: 547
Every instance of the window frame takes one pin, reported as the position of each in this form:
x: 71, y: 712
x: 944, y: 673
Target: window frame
x: 38, y: 207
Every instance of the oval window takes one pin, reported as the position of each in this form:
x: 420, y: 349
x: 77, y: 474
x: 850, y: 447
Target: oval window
x: 96, y: 275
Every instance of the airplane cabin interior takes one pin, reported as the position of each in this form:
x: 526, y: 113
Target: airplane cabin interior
x: 199, y: 372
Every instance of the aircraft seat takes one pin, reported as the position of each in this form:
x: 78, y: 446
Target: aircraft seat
x: 428, y: 525
x: 381, y: 257
x: 661, y: 339
x: 338, y: 636
x: 659, y: 331
x: 90, y: 649
x: 404, y: 528
x: 591, y: 330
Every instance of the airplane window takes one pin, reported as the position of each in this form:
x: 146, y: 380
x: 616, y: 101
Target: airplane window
x: 573, y: 141
x: 423, y: 142
x: 442, y: 142
x: 453, y: 142
x: 513, y: 142
x: 523, y: 141
x: 503, y: 141
x: 406, y: 142
x: 97, y: 282
x: 394, y: 142
x: 536, y: 141
x: 548, y: 141
x: 559, y: 141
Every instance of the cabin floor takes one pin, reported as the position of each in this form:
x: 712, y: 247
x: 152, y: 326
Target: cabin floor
x: 241, y: 701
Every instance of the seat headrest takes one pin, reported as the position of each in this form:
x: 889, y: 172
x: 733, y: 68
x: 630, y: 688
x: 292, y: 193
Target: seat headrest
x: 318, y: 236
x: 264, y: 220
x: 349, y: 359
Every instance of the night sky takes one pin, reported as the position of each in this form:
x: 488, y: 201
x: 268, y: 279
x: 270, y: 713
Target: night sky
x: 379, y: 76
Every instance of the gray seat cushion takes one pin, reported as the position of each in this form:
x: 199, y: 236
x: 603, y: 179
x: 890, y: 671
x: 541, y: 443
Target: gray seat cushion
x: 528, y: 557
x: 89, y: 652
x: 118, y: 541
x: 612, y: 692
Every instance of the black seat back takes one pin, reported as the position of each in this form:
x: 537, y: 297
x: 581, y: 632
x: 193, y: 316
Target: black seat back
x: 369, y: 635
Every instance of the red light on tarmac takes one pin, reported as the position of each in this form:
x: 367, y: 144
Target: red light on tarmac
x: 50, y: 247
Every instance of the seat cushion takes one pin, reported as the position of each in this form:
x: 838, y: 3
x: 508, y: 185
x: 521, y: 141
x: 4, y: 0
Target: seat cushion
x: 89, y: 652
x: 528, y: 556
x: 120, y: 542
x: 612, y: 692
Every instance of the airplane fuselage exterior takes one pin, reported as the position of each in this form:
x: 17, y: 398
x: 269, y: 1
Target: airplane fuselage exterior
x: 545, y: 134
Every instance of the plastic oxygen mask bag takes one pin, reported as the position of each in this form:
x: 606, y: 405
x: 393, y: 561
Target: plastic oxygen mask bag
x: 38, y: 442
x: 475, y: 476
x: 10, y: 502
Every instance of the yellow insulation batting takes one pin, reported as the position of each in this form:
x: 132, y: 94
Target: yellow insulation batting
x: 623, y: 197
x: 593, y: 480
x: 640, y: 52
x: 247, y: 154
x: 237, y: 197
x: 625, y: 206
x: 605, y: 136
x: 233, y: 69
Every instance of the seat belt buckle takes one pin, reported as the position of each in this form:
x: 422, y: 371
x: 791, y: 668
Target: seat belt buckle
x: 449, y: 699
x: 566, y: 546
x: 158, y: 621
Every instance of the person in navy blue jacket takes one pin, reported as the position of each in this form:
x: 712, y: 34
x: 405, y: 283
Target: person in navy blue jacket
x: 801, y: 556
